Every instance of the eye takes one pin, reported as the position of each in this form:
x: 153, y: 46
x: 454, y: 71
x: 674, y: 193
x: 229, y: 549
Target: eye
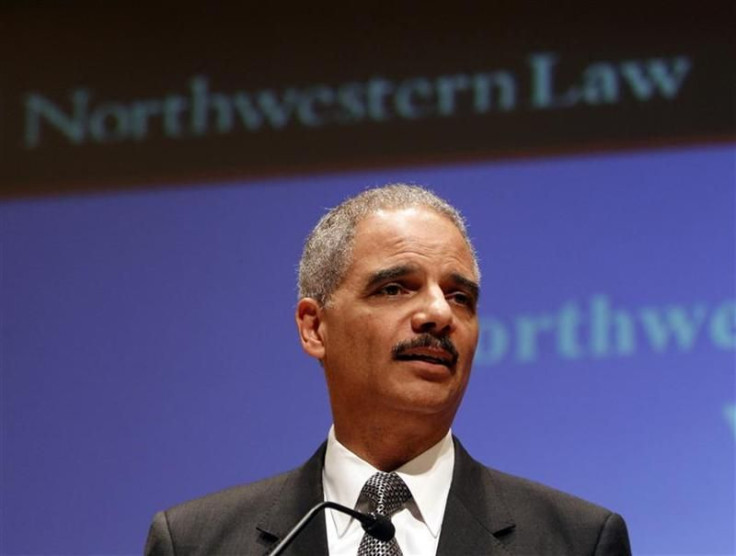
x: 462, y: 298
x: 391, y: 290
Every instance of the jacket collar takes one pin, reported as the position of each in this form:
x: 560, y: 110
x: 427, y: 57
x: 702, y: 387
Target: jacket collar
x: 476, y: 515
x: 300, y: 491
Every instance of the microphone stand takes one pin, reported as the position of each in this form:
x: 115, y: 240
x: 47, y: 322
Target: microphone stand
x: 378, y: 526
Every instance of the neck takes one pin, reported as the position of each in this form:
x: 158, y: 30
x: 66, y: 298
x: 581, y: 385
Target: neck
x: 389, y: 446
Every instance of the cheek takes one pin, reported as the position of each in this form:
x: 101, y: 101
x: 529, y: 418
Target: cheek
x: 357, y: 336
x: 470, y: 341
x: 474, y: 338
x: 370, y: 333
x: 374, y: 340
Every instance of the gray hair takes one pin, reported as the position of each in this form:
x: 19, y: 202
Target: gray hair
x: 328, y: 250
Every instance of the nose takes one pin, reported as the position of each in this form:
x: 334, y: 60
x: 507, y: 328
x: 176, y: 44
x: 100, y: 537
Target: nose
x: 433, y: 313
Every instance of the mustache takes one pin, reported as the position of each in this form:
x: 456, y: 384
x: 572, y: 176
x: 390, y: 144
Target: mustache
x: 426, y: 341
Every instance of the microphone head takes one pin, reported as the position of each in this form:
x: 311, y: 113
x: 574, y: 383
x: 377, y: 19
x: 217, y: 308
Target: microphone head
x: 381, y: 528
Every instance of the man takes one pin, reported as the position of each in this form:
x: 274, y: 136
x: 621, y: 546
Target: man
x: 389, y: 286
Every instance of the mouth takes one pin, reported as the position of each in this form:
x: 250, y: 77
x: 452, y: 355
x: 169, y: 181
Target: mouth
x: 445, y: 360
x: 429, y: 349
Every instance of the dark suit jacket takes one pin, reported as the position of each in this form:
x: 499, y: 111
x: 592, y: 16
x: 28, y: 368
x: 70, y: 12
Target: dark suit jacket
x: 488, y: 512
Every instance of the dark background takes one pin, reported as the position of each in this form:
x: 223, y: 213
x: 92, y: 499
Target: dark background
x: 124, y: 52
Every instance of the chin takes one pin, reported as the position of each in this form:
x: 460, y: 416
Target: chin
x: 429, y: 399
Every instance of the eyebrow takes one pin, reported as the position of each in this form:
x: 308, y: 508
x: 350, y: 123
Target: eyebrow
x: 388, y: 274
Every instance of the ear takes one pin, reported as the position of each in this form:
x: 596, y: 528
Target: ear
x: 309, y: 323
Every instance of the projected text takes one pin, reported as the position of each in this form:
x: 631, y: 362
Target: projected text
x: 201, y: 109
x: 597, y: 329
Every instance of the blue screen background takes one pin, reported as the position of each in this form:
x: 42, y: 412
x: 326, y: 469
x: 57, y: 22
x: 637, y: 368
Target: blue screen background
x: 149, y: 353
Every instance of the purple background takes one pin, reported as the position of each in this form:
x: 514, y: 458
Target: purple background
x: 149, y: 353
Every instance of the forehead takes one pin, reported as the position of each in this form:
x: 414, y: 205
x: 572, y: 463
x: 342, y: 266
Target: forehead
x: 418, y: 234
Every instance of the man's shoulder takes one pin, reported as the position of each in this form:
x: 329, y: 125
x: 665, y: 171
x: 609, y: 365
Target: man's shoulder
x: 534, y: 518
x: 239, y: 519
x: 241, y: 500
x: 224, y: 522
x: 528, y: 497
x: 520, y: 495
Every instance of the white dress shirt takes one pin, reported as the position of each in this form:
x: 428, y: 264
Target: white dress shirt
x: 418, y: 524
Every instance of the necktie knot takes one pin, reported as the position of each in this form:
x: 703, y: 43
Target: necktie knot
x: 387, y: 491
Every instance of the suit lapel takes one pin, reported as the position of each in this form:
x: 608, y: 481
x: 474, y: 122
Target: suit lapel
x: 301, y: 490
x: 476, y: 516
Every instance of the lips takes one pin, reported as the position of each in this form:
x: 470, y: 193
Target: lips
x: 427, y: 348
x: 434, y: 356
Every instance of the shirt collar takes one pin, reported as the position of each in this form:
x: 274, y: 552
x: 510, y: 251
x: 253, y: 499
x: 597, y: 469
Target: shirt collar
x: 428, y: 477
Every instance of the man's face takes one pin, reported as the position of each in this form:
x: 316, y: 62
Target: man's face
x: 400, y: 331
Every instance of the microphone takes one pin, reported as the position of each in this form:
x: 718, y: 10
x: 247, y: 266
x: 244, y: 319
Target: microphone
x: 376, y: 525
